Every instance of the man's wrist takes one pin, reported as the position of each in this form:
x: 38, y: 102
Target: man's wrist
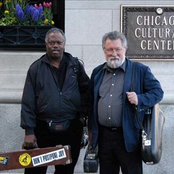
x: 29, y: 131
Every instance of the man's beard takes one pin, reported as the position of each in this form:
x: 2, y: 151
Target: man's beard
x: 57, y: 56
x: 114, y: 62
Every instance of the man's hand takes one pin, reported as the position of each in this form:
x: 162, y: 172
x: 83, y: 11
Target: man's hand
x: 132, y: 97
x: 30, y: 142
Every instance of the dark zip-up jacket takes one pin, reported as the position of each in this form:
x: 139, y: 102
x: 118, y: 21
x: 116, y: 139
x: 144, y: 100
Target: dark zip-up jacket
x: 43, y: 98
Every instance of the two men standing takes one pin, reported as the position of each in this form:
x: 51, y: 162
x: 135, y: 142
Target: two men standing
x: 57, y: 91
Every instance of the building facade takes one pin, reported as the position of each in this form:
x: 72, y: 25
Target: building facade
x: 86, y: 21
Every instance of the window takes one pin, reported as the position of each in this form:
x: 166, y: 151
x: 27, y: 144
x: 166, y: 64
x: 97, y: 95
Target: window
x: 33, y: 37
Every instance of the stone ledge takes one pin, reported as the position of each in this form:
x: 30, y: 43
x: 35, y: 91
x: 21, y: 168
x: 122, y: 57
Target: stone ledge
x: 14, y: 96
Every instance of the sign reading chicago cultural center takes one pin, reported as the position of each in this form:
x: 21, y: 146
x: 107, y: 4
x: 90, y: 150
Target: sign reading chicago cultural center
x: 149, y: 30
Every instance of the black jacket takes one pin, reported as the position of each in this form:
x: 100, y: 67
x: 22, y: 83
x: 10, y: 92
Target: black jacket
x: 45, y: 100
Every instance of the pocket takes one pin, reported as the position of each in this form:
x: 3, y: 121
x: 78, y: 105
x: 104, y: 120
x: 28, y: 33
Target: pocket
x: 59, y: 126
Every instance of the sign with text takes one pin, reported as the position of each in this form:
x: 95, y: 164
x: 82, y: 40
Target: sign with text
x: 149, y: 31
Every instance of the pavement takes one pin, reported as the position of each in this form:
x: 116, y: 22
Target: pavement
x: 10, y: 172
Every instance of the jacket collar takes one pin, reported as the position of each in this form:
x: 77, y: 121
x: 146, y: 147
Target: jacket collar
x: 67, y: 58
x: 128, y: 77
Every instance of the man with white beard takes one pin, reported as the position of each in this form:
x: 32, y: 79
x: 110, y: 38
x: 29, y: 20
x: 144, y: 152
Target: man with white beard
x: 112, y: 123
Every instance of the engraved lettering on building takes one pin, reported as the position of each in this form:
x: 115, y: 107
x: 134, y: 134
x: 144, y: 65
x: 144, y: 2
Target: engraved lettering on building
x: 149, y: 30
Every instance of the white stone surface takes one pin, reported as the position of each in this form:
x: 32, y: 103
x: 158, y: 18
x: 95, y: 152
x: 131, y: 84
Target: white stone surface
x: 86, y: 21
x: 12, y: 137
x: 76, y: 51
x: 80, y: 24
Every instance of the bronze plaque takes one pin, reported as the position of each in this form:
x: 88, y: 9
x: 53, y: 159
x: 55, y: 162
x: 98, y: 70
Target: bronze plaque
x: 149, y: 31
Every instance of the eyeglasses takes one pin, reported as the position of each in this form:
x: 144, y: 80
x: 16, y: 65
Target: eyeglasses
x: 111, y: 50
x: 52, y: 43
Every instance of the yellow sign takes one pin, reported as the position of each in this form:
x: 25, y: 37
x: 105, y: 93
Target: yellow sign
x: 25, y: 159
x: 1, y: 158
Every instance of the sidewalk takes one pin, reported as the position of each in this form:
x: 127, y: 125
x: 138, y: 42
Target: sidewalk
x: 11, y: 172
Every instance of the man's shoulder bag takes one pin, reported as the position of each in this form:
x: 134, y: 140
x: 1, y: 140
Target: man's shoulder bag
x: 152, y: 131
x: 152, y: 135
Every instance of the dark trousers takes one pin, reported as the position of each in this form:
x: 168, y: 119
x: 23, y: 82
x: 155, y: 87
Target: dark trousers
x: 113, y: 155
x: 70, y: 137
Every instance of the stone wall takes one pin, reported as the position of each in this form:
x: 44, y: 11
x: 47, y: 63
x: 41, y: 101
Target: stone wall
x: 85, y: 23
